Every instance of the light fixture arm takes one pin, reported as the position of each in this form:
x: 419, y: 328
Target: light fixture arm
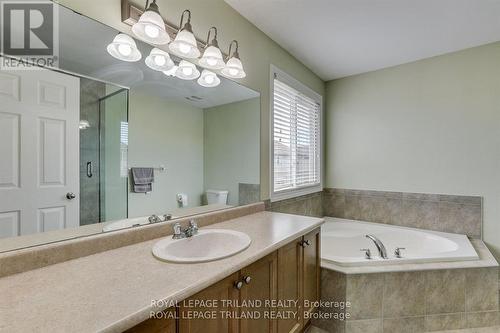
x: 186, y: 26
x: 235, y: 53
x: 152, y: 7
x: 212, y: 42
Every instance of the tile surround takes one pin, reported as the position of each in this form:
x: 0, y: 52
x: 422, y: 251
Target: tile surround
x: 308, y: 205
x: 413, y: 301
x: 448, y: 213
x: 248, y: 193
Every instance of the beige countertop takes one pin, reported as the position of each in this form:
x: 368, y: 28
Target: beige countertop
x: 113, y: 290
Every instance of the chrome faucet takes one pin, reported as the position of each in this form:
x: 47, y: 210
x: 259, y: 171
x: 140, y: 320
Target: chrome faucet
x: 155, y: 218
x: 190, y: 231
x: 380, y: 246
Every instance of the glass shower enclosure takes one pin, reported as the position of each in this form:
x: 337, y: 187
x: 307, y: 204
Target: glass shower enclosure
x: 103, y: 152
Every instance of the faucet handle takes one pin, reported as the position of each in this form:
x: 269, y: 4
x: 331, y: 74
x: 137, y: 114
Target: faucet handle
x: 397, y: 252
x: 368, y: 253
x: 193, y: 225
x: 153, y: 218
x: 177, y: 229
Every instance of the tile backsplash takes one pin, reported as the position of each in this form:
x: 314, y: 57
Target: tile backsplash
x: 448, y: 213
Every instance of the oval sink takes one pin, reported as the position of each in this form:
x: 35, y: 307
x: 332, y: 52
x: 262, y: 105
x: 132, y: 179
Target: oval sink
x: 207, y: 245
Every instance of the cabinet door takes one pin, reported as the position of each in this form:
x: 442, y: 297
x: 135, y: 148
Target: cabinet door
x: 190, y: 321
x: 260, y: 285
x: 165, y: 325
x: 311, y: 265
x: 289, y: 285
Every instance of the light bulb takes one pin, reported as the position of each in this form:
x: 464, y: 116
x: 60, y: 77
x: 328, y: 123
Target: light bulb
x: 151, y: 31
x: 184, y: 48
x: 160, y: 60
x: 209, y: 79
x: 124, y: 49
x: 188, y: 71
x: 233, y: 71
x: 212, y: 61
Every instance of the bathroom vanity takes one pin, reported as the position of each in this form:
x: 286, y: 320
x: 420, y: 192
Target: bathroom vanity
x: 289, y: 273
x: 118, y: 290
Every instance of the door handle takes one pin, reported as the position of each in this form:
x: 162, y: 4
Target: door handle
x: 70, y: 195
x: 89, y: 169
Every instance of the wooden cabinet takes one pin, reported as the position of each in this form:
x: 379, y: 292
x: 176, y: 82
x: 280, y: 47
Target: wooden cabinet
x: 167, y: 324
x: 311, y: 271
x: 261, y: 287
x: 289, y: 285
x: 287, y: 278
x: 217, y: 317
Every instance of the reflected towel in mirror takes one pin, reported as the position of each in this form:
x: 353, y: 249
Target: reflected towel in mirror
x: 142, y: 180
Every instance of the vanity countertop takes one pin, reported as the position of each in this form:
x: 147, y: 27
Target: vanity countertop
x: 113, y: 290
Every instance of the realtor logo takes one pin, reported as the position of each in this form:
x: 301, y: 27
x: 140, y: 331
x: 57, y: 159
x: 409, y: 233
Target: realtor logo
x: 29, y: 34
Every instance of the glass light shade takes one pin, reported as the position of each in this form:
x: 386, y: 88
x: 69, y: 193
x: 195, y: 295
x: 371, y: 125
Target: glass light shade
x: 184, y: 45
x: 234, y: 69
x: 151, y: 28
x: 208, y: 79
x: 212, y: 58
x: 159, y: 60
x: 171, y: 71
x: 187, y: 71
x: 123, y: 48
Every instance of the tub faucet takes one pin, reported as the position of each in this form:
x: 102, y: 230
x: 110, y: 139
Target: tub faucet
x: 380, y: 246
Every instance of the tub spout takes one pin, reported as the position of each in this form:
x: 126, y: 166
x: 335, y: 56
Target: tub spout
x: 380, y: 246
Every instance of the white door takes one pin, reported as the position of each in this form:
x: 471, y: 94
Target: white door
x: 39, y: 151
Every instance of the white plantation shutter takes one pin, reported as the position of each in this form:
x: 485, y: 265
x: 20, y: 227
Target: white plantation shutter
x: 296, y: 139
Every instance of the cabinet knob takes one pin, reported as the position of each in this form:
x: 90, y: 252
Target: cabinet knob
x: 247, y: 279
x: 238, y: 285
x: 305, y: 243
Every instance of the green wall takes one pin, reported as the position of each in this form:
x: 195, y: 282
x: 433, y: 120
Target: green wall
x: 257, y: 51
x: 231, y: 141
x: 164, y: 132
x: 431, y: 126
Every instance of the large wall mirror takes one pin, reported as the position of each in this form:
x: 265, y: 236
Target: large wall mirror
x: 98, y: 144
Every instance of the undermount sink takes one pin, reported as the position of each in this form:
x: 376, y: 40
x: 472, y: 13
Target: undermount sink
x: 206, y: 245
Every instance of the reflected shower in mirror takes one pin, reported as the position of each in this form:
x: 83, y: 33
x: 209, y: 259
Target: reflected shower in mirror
x: 118, y: 142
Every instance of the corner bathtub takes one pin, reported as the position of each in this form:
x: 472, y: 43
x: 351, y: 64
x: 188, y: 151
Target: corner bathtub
x: 341, y: 241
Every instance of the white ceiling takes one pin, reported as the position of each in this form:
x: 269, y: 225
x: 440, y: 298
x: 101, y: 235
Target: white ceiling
x: 338, y: 38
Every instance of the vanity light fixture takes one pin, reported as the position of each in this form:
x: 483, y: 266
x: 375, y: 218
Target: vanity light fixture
x: 171, y: 71
x: 208, y: 79
x: 184, y: 44
x: 159, y: 60
x: 212, y: 56
x: 150, y: 26
x: 123, y: 47
x: 234, y: 67
x: 187, y: 71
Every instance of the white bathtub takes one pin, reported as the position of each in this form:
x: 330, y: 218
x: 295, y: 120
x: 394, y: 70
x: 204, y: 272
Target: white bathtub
x: 341, y: 241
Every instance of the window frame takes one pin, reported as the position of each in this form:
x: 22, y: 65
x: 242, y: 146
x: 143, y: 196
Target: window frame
x: 303, y: 89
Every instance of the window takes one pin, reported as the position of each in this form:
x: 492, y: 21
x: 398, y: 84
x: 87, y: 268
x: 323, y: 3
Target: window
x: 296, y: 138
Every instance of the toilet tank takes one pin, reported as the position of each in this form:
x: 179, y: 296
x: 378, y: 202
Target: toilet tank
x: 217, y: 196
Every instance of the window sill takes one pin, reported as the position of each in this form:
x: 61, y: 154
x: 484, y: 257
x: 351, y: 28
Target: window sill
x: 279, y: 196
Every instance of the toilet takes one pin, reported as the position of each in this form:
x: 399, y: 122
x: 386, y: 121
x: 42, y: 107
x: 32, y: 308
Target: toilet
x: 217, y: 197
